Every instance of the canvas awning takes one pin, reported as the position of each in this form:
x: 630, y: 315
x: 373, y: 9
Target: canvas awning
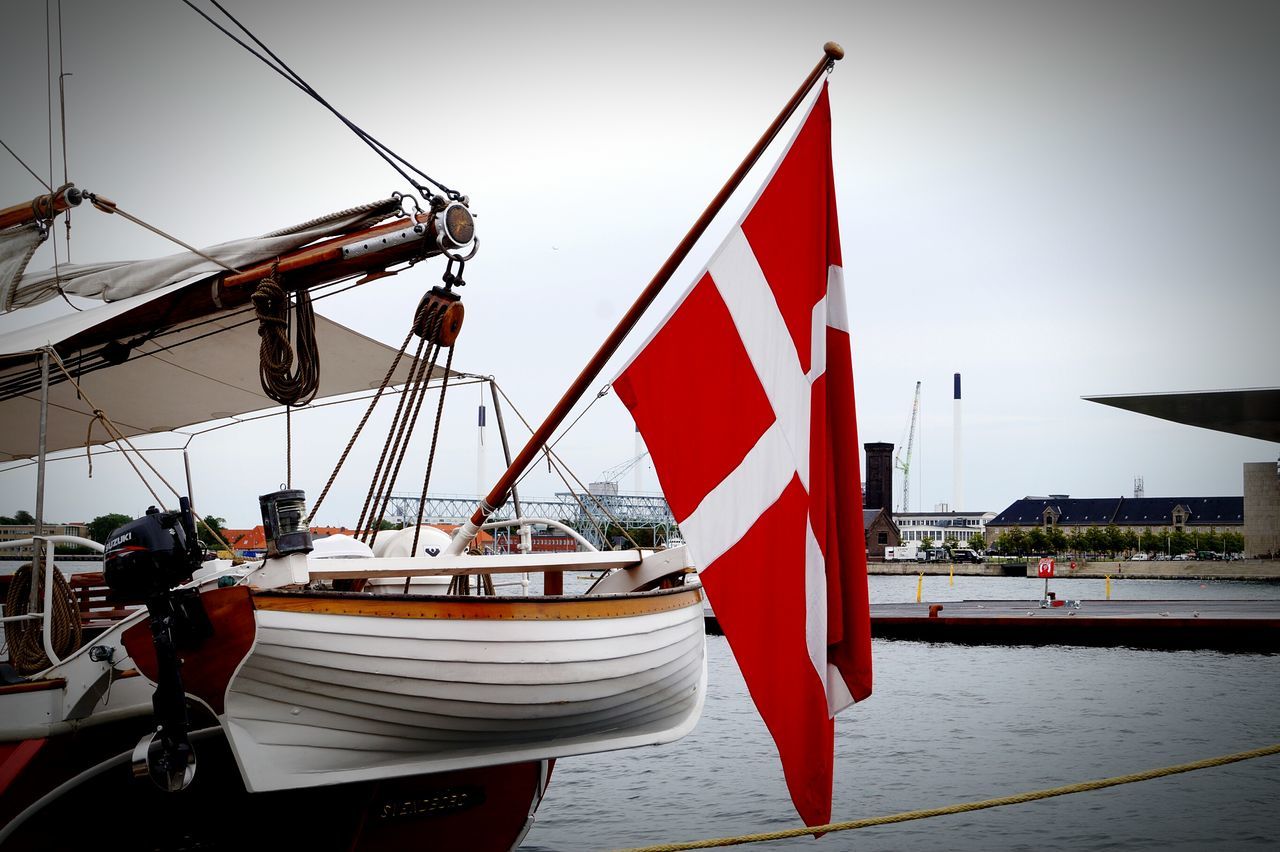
x: 197, y: 372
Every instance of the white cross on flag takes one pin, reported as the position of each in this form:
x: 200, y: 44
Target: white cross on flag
x: 758, y: 457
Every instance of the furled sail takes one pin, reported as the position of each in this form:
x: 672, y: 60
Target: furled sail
x: 17, y: 244
x: 120, y: 280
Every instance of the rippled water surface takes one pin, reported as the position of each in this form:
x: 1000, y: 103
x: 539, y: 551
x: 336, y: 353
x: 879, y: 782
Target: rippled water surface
x: 951, y: 723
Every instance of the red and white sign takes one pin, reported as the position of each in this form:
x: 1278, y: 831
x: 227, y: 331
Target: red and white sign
x: 1046, y: 567
x: 759, y: 459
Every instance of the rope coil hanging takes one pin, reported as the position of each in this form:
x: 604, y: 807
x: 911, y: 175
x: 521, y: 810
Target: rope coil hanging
x: 280, y: 381
x: 26, y: 638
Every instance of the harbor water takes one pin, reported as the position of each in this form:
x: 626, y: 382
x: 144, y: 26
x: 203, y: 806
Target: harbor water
x: 953, y: 723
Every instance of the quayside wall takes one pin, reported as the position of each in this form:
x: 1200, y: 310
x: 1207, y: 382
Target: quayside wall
x: 1244, y: 569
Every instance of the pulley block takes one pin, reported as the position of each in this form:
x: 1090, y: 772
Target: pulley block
x: 439, y: 317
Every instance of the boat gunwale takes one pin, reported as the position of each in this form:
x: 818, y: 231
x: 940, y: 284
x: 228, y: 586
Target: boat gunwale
x: 479, y: 607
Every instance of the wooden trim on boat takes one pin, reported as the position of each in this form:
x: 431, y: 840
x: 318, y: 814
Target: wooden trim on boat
x: 33, y: 686
x: 479, y: 608
x: 207, y: 668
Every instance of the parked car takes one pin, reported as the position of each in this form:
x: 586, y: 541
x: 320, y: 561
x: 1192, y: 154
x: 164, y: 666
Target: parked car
x: 965, y: 554
x: 1183, y: 557
x: 1139, y: 557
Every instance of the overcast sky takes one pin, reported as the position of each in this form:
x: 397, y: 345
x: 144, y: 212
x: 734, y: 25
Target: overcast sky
x: 1054, y: 199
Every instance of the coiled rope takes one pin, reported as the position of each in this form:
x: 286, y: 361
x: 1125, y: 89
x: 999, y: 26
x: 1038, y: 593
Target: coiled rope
x: 276, y: 368
x: 26, y: 637
x: 965, y: 807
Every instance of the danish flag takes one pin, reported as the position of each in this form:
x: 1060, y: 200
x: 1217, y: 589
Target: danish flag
x: 759, y: 460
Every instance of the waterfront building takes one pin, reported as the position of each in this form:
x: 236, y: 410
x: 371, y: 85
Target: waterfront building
x: 1157, y: 514
x: 16, y: 532
x: 1262, y: 508
x: 964, y: 527
x: 880, y: 530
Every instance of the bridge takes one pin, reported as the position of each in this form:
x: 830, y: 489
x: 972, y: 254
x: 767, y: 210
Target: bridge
x: 589, y: 514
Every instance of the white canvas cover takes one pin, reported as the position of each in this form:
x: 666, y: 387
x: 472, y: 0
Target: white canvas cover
x: 180, y: 378
x: 122, y: 279
x: 16, y: 247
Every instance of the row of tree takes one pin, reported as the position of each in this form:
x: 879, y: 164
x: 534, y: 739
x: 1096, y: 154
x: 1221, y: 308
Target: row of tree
x: 100, y: 527
x: 1112, y: 540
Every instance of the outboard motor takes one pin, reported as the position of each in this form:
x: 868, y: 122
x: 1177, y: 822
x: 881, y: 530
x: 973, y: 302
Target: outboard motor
x: 143, y: 562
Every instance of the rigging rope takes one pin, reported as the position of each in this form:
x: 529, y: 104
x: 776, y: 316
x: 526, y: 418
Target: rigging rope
x: 386, y: 380
x: 25, y: 166
x: 276, y: 369
x: 26, y: 637
x: 121, y: 441
x: 965, y: 807
x: 554, y: 462
x: 281, y: 68
x: 431, y: 457
x: 106, y: 205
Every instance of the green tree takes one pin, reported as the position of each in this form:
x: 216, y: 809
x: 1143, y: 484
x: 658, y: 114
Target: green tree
x: 1037, y: 542
x: 206, y: 529
x: 1180, y: 541
x: 1232, y: 542
x: 1114, y: 539
x: 22, y: 516
x: 1148, y: 541
x: 103, y: 525
x: 1211, y: 540
x: 950, y: 543
x: 1017, y: 542
x: 926, y: 543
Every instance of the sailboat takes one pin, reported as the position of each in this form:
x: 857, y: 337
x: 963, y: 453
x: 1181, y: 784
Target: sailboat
x: 314, y: 687
x: 284, y: 683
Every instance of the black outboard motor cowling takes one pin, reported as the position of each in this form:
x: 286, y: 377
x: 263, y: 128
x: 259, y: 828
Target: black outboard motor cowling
x: 144, y: 560
x: 152, y: 554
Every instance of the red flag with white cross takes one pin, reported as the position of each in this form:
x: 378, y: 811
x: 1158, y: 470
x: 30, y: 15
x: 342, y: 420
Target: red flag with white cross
x: 759, y: 458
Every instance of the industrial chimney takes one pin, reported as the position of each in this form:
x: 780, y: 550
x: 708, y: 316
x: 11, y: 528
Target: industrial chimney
x: 957, y: 474
x: 879, y: 476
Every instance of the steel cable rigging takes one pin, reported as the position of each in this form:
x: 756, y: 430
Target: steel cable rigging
x: 275, y: 63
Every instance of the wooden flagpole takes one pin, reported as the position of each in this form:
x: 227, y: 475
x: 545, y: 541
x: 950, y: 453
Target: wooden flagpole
x: 831, y: 52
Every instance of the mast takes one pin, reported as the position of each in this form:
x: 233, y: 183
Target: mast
x: 831, y: 52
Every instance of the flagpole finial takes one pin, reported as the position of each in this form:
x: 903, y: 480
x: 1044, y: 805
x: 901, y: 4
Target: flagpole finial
x: 835, y: 51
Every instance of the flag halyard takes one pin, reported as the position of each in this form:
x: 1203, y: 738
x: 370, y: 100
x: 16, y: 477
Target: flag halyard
x: 759, y: 461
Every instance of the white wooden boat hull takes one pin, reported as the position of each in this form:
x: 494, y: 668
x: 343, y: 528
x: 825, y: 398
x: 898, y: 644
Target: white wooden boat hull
x: 339, y: 689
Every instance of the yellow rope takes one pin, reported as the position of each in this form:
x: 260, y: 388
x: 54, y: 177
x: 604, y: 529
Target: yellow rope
x: 964, y: 807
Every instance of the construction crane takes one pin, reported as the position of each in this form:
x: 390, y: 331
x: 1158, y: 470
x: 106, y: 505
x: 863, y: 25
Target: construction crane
x: 903, y: 462
x: 608, y: 481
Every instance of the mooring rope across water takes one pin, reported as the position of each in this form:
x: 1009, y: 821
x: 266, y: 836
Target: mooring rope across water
x: 964, y: 807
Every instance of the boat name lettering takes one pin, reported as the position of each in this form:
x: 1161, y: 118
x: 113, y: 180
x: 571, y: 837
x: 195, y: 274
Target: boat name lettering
x: 447, y: 801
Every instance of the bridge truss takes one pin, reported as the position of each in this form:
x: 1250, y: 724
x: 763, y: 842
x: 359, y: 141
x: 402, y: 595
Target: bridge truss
x: 588, y: 514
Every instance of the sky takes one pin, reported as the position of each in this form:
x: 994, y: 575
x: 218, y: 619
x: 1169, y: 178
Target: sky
x: 1053, y: 199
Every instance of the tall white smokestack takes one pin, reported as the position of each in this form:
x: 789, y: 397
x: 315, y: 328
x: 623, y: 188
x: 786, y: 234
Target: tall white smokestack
x: 639, y: 463
x: 957, y: 474
x: 481, y: 484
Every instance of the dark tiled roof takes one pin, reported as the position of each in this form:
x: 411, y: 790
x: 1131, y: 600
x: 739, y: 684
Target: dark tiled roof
x: 1122, y: 511
x: 869, y: 517
x: 1141, y: 511
x: 1087, y: 511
